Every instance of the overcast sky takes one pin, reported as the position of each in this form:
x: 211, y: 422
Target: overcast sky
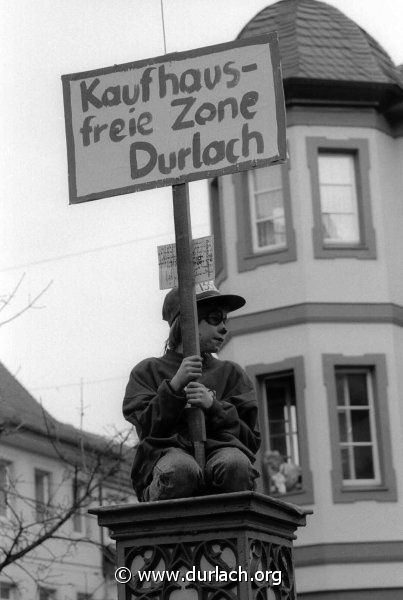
x: 102, y: 313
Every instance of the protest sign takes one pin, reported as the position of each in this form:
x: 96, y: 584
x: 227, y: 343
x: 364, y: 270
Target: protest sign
x: 175, y: 118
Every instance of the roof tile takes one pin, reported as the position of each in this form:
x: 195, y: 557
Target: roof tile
x: 318, y: 41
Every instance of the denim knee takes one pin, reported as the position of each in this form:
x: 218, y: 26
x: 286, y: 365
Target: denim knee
x: 230, y: 470
x: 175, y: 475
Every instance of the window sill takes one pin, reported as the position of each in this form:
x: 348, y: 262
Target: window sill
x: 375, y: 493
x: 249, y: 260
x: 266, y: 252
x: 365, y: 250
x: 343, y: 246
x: 343, y: 252
x: 364, y: 488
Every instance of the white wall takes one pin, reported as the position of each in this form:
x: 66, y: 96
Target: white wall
x: 356, y: 521
x: 327, y: 280
x: 64, y: 565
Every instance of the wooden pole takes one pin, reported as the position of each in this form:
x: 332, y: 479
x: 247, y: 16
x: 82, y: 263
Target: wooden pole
x: 188, y: 310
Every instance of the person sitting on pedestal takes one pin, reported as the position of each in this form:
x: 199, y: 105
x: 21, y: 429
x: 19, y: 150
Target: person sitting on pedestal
x: 158, y: 392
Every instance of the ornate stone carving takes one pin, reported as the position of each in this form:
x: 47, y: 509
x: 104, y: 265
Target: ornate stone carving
x: 203, y: 570
x: 200, y: 561
x: 264, y: 557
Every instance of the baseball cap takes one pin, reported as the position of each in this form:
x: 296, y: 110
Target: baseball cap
x: 204, y: 297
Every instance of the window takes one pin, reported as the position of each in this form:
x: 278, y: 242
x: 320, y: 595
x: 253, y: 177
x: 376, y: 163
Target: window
x: 42, y: 493
x: 283, y: 430
x: 84, y: 596
x: 282, y: 415
x: 359, y: 428
x: 338, y: 198
x: 4, y: 488
x: 217, y: 229
x: 285, y: 460
x: 78, y: 522
x: 267, y: 209
x: 46, y: 593
x: 341, y: 198
x: 6, y: 591
x: 264, y: 219
x: 78, y: 517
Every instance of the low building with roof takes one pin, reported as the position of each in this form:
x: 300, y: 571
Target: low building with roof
x: 315, y: 245
x: 50, y: 473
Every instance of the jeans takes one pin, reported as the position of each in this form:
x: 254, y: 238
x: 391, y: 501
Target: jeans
x: 177, y: 475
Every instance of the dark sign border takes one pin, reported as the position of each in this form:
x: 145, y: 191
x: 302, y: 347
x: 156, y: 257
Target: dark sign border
x: 270, y: 38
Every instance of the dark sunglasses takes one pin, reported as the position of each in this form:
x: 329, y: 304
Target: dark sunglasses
x: 215, y: 318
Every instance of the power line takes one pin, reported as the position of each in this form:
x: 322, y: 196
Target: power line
x: 80, y: 253
x: 89, y: 251
x: 163, y: 27
x: 76, y: 383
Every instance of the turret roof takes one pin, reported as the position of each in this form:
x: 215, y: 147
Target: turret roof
x: 317, y: 41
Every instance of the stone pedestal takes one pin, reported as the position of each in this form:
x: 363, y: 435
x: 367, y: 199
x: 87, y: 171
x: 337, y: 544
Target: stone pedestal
x: 219, y: 547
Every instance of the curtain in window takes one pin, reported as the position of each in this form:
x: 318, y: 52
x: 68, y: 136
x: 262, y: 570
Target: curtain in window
x: 338, y: 198
x: 267, y: 208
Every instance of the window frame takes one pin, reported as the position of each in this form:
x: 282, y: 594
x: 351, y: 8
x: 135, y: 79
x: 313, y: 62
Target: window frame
x: 385, y: 490
x: 254, y: 219
x: 7, y: 465
x: 247, y: 258
x: 42, y: 507
x: 359, y: 148
x: 6, y: 586
x: 78, y: 522
x: 217, y: 227
x: 352, y: 184
x: 79, y: 518
x: 290, y: 422
x: 349, y: 409
x: 259, y: 373
x: 51, y: 592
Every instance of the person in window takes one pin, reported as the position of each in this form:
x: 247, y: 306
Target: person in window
x: 159, y: 390
x: 283, y: 476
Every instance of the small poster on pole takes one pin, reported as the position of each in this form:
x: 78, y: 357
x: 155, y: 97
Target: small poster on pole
x: 203, y: 262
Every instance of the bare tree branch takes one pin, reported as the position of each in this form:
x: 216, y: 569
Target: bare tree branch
x: 87, y: 468
x: 30, y: 304
x: 90, y: 462
x: 5, y: 301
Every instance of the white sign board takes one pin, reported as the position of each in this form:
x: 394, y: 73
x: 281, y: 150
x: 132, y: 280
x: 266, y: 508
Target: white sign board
x: 203, y: 262
x: 174, y: 118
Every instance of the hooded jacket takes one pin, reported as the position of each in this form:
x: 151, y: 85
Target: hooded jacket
x: 158, y: 413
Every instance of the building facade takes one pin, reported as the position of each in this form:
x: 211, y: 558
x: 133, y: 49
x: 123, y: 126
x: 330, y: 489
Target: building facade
x: 50, y: 474
x: 316, y: 247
